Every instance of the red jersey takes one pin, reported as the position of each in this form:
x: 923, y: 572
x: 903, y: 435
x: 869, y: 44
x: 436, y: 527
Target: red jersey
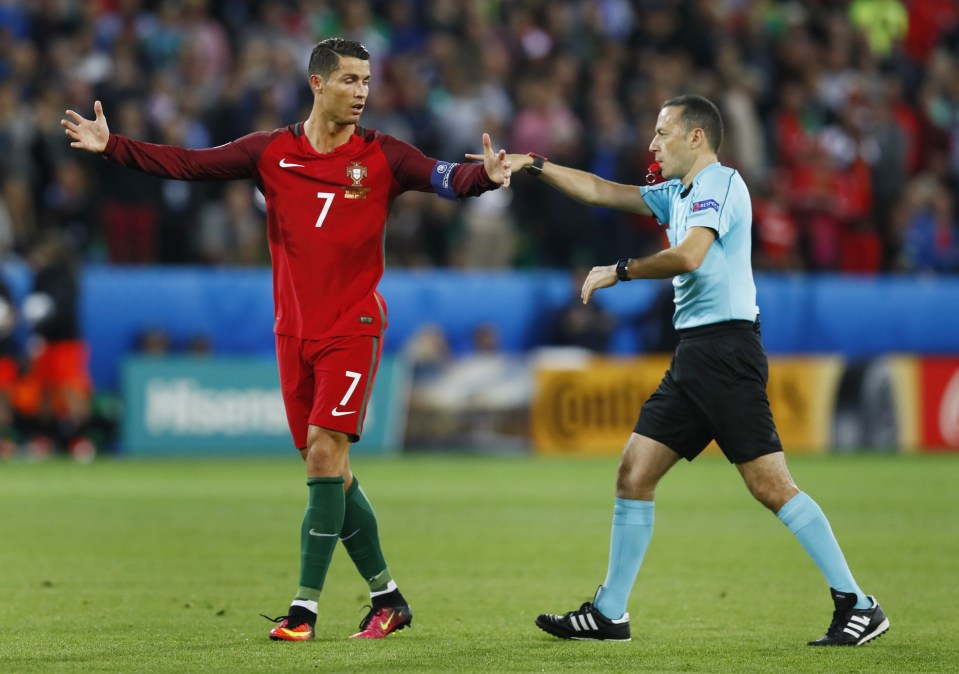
x: 325, y: 213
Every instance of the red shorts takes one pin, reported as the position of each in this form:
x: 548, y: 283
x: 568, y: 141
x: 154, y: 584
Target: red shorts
x: 327, y: 383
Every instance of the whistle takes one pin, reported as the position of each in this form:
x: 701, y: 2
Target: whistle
x: 652, y: 172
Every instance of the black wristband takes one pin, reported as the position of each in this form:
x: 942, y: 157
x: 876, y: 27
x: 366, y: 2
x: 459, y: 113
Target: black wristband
x: 536, y: 168
x: 622, y: 271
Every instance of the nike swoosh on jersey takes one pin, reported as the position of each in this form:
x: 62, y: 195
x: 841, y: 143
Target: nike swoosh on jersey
x: 338, y: 413
x: 285, y: 164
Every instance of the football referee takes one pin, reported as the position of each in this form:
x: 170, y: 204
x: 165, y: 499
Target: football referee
x: 715, y: 388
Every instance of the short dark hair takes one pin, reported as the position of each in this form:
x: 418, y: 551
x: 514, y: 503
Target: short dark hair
x: 700, y: 113
x: 326, y: 55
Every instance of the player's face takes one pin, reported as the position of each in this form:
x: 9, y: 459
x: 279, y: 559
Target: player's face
x: 345, y: 90
x: 669, y: 145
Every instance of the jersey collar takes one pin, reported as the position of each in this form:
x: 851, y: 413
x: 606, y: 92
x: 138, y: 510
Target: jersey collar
x: 707, y: 167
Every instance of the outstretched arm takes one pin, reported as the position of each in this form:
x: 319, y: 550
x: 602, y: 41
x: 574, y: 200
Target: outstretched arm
x: 225, y: 162
x: 87, y: 134
x: 586, y: 187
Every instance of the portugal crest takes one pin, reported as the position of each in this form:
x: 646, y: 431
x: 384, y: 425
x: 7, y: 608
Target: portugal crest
x: 356, y: 172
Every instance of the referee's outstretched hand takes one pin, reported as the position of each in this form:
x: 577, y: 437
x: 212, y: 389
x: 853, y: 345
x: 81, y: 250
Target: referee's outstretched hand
x: 87, y: 134
x: 599, y: 277
x: 497, y: 164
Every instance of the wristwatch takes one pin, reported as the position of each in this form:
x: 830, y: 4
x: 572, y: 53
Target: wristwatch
x: 622, y: 271
x: 536, y: 168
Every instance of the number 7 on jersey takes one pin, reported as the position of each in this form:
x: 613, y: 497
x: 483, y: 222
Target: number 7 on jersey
x: 327, y: 201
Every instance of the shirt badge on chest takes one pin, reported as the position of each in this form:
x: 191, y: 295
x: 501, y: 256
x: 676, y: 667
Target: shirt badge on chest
x: 356, y: 172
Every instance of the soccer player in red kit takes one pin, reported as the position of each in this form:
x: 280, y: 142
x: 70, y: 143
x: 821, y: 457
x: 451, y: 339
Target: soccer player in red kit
x: 328, y: 185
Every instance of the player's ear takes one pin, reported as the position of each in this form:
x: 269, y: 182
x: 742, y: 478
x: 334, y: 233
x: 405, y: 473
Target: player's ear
x: 316, y: 83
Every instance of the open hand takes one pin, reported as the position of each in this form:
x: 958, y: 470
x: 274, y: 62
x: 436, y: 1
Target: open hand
x: 86, y: 134
x: 497, y: 164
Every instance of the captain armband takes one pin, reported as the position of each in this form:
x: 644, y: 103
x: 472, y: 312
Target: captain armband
x: 442, y: 180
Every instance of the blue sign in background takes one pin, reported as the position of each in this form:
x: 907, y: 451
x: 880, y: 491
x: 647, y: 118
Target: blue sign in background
x: 852, y: 316
x: 231, y: 406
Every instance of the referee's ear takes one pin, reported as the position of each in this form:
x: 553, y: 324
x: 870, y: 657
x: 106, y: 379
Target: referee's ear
x: 698, y: 139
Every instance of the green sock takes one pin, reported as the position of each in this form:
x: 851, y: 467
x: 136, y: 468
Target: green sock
x: 321, y: 526
x: 361, y: 539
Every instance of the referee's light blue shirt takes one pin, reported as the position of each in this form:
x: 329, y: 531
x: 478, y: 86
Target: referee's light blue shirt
x: 722, y: 289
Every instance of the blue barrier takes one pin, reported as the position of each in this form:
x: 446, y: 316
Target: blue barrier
x: 233, y: 309
x: 859, y: 317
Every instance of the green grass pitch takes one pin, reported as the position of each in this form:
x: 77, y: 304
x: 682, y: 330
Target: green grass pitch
x: 143, y: 566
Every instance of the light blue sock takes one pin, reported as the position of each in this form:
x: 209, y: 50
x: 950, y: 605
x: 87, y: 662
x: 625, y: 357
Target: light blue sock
x: 809, y: 525
x: 632, y: 529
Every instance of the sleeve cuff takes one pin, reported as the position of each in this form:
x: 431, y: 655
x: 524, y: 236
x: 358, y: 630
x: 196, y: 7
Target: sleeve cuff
x: 112, y: 143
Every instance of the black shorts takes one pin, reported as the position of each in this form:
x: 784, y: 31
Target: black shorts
x: 715, y: 389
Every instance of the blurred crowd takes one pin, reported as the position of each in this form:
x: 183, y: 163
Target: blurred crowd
x: 843, y: 116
